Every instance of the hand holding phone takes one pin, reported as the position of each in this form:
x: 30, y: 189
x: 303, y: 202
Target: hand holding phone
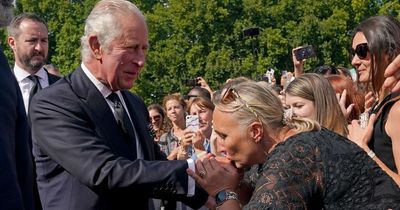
x: 304, y: 52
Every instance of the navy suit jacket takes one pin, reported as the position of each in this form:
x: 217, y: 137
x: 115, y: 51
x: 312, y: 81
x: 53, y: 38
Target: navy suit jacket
x: 16, y: 172
x: 83, y: 160
x: 52, y: 78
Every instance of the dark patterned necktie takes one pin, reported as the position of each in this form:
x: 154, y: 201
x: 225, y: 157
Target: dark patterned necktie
x: 122, y: 118
x: 36, y: 86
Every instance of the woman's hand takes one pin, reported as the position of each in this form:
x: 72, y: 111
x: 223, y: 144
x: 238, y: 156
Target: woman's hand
x: 184, y: 143
x: 361, y: 136
x: 174, y: 153
x: 187, y: 139
x: 182, y: 153
x: 298, y: 65
x: 214, y: 176
x: 392, y: 74
x: 203, y: 84
x: 370, y: 99
x: 342, y: 103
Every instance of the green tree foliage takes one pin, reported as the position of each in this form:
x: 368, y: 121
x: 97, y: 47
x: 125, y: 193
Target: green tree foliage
x: 191, y: 38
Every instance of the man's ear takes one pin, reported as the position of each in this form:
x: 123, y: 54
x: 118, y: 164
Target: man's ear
x: 95, y: 47
x: 256, y: 131
x: 11, y: 42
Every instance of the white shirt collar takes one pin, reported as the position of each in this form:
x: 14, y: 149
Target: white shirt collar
x: 100, y: 86
x: 25, y: 84
x: 21, y: 74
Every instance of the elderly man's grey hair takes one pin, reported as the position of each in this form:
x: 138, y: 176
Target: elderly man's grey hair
x: 6, y: 12
x: 103, y: 21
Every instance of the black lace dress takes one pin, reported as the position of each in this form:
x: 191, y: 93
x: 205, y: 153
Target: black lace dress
x: 320, y: 170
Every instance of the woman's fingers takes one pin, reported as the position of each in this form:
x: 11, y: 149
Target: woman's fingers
x: 392, y: 74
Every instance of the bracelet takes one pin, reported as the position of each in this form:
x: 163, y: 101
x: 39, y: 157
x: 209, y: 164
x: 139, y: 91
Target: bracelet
x: 371, y: 154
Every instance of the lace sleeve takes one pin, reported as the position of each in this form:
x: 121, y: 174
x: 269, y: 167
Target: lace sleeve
x: 290, y: 176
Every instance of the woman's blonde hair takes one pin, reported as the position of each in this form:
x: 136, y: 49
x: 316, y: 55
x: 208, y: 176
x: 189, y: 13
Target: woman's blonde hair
x: 316, y: 88
x: 250, y: 102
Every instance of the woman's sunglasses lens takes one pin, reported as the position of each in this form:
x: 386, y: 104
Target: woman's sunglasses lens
x: 362, y: 50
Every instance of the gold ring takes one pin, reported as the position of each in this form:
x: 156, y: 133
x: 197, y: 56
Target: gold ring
x: 202, y: 173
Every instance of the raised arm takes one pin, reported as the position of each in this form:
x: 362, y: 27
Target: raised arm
x: 297, y: 65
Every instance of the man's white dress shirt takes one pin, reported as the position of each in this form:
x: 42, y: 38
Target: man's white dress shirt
x: 26, y: 84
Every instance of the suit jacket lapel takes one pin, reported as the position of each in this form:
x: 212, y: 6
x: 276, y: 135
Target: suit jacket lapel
x: 100, y: 113
x: 52, y: 78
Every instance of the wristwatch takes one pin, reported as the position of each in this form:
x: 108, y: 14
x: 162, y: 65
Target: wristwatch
x: 225, y: 195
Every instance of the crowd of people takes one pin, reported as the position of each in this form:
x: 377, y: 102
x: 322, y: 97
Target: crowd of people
x: 318, y: 140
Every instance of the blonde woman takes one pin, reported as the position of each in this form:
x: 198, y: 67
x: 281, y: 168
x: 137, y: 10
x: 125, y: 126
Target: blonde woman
x: 312, y: 96
x: 296, y: 164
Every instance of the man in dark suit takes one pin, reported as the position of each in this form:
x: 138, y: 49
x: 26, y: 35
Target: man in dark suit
x: 28, y: 38
x: 16, y: 176
x: 91, y: 142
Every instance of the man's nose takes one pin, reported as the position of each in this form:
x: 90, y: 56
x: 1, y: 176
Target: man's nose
x: 39, y: 46
x: 140, y: 58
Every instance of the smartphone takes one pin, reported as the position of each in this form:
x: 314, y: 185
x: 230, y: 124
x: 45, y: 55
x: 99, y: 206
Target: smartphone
x: 191, y: 82
x: 192, y: 122
x: 304, y: 52
x: 265, y: 78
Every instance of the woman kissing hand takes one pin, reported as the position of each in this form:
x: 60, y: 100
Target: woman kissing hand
x: 214, y: 176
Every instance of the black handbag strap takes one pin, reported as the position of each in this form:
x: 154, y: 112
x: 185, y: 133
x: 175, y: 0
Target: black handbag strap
x: 390, y: 98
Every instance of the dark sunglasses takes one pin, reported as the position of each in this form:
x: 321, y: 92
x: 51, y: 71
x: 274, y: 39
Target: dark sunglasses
x: 361, y: 51
x: 187, y: 97
x: 156, y: 117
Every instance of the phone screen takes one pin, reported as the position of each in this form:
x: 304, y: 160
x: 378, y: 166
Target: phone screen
x: 192, y: 122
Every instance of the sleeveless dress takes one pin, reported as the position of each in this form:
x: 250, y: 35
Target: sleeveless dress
x: 380, y: 142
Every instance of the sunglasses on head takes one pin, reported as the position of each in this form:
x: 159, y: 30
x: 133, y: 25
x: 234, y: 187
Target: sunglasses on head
x: 361, y: 51
x: 231, y: 94
x: 187, y: 97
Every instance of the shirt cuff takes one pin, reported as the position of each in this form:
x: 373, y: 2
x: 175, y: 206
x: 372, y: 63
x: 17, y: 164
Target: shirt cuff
x: 191, y: 182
